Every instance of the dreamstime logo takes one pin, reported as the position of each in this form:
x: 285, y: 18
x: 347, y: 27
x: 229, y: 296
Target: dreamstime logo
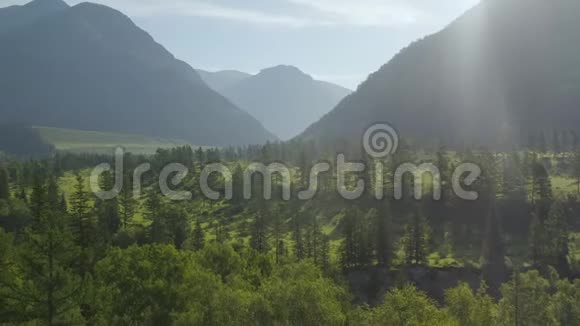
x: 379, y: 141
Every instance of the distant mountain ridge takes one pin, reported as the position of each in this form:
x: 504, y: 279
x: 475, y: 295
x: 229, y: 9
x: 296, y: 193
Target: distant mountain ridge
x: 503, y: 71
x: 90, y: 67
x: 220, y: 80
x: 285, y: 99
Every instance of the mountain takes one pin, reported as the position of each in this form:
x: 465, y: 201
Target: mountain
x: 284, y: 99
x: 16, y: 16
x: 499, y: 74
x: 221, y: 80
x: 90, y: 67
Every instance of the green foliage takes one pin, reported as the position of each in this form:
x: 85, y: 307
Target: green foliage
x: 299, y: 295
x: 157, y: 284
x: 525, y: 300
x: 565, y: 304
x: 227, y: 263
x: 469, y: 308
x: 46, y: 287
x: 404, y: 306
x: 170, y: 225
x: 145, y: 285
x: 222, y: 260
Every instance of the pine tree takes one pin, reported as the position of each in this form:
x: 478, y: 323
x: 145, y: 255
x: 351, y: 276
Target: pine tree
x: 298, y: 241
x: 558, y: 233
x: 541, y: 186
x: 62, y: 204
x: 280, y: 251
x: 158, y: 230
x: 493, y: 253
x: 537, y: 241
x: 200, y: 155
x: 312, y: 241
x: 53, y: 194
x: 364, y: 241
x: 83, y: 226
x: 38, y: 198
x: 127, y: 203
x: 258, y: 239
x: 349, y: 250
x: 44, y: 261
x: 357, y: 246
x: 383, y: 245
x: 152, y: 203
x: 84, y: 231
x: 178, y: 226
x: 238, y: 184
x: 4, y: 184
x: 278, y: 234
x: 107, y: 211
x: 416, y: 241
x: 324, y: 261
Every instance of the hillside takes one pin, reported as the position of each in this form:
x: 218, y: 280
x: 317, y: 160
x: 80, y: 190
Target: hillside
x: 23, y: 141
x: 91, y: 68
x: 285, y: 99
x: 499, y: 75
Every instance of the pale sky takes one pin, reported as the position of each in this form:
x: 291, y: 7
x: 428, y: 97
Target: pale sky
x: 341, y: 41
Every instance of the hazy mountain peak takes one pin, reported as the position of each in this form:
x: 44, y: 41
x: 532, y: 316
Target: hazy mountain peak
x: 97, y: 11
x: 220, y: 80
x: 18, y: 16
x: 47, y: 4
x: 285, y: 70
x: 285, y: 99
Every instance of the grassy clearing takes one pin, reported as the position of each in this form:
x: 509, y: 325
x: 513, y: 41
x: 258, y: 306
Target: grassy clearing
x: 94, y: 142
x: 564, y: 185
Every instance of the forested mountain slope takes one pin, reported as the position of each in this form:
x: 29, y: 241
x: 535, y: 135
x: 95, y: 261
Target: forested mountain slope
x: 500, y: 74
x: 90, y: 67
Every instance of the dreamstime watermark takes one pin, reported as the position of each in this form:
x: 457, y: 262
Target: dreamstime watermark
x: 379, y: 141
